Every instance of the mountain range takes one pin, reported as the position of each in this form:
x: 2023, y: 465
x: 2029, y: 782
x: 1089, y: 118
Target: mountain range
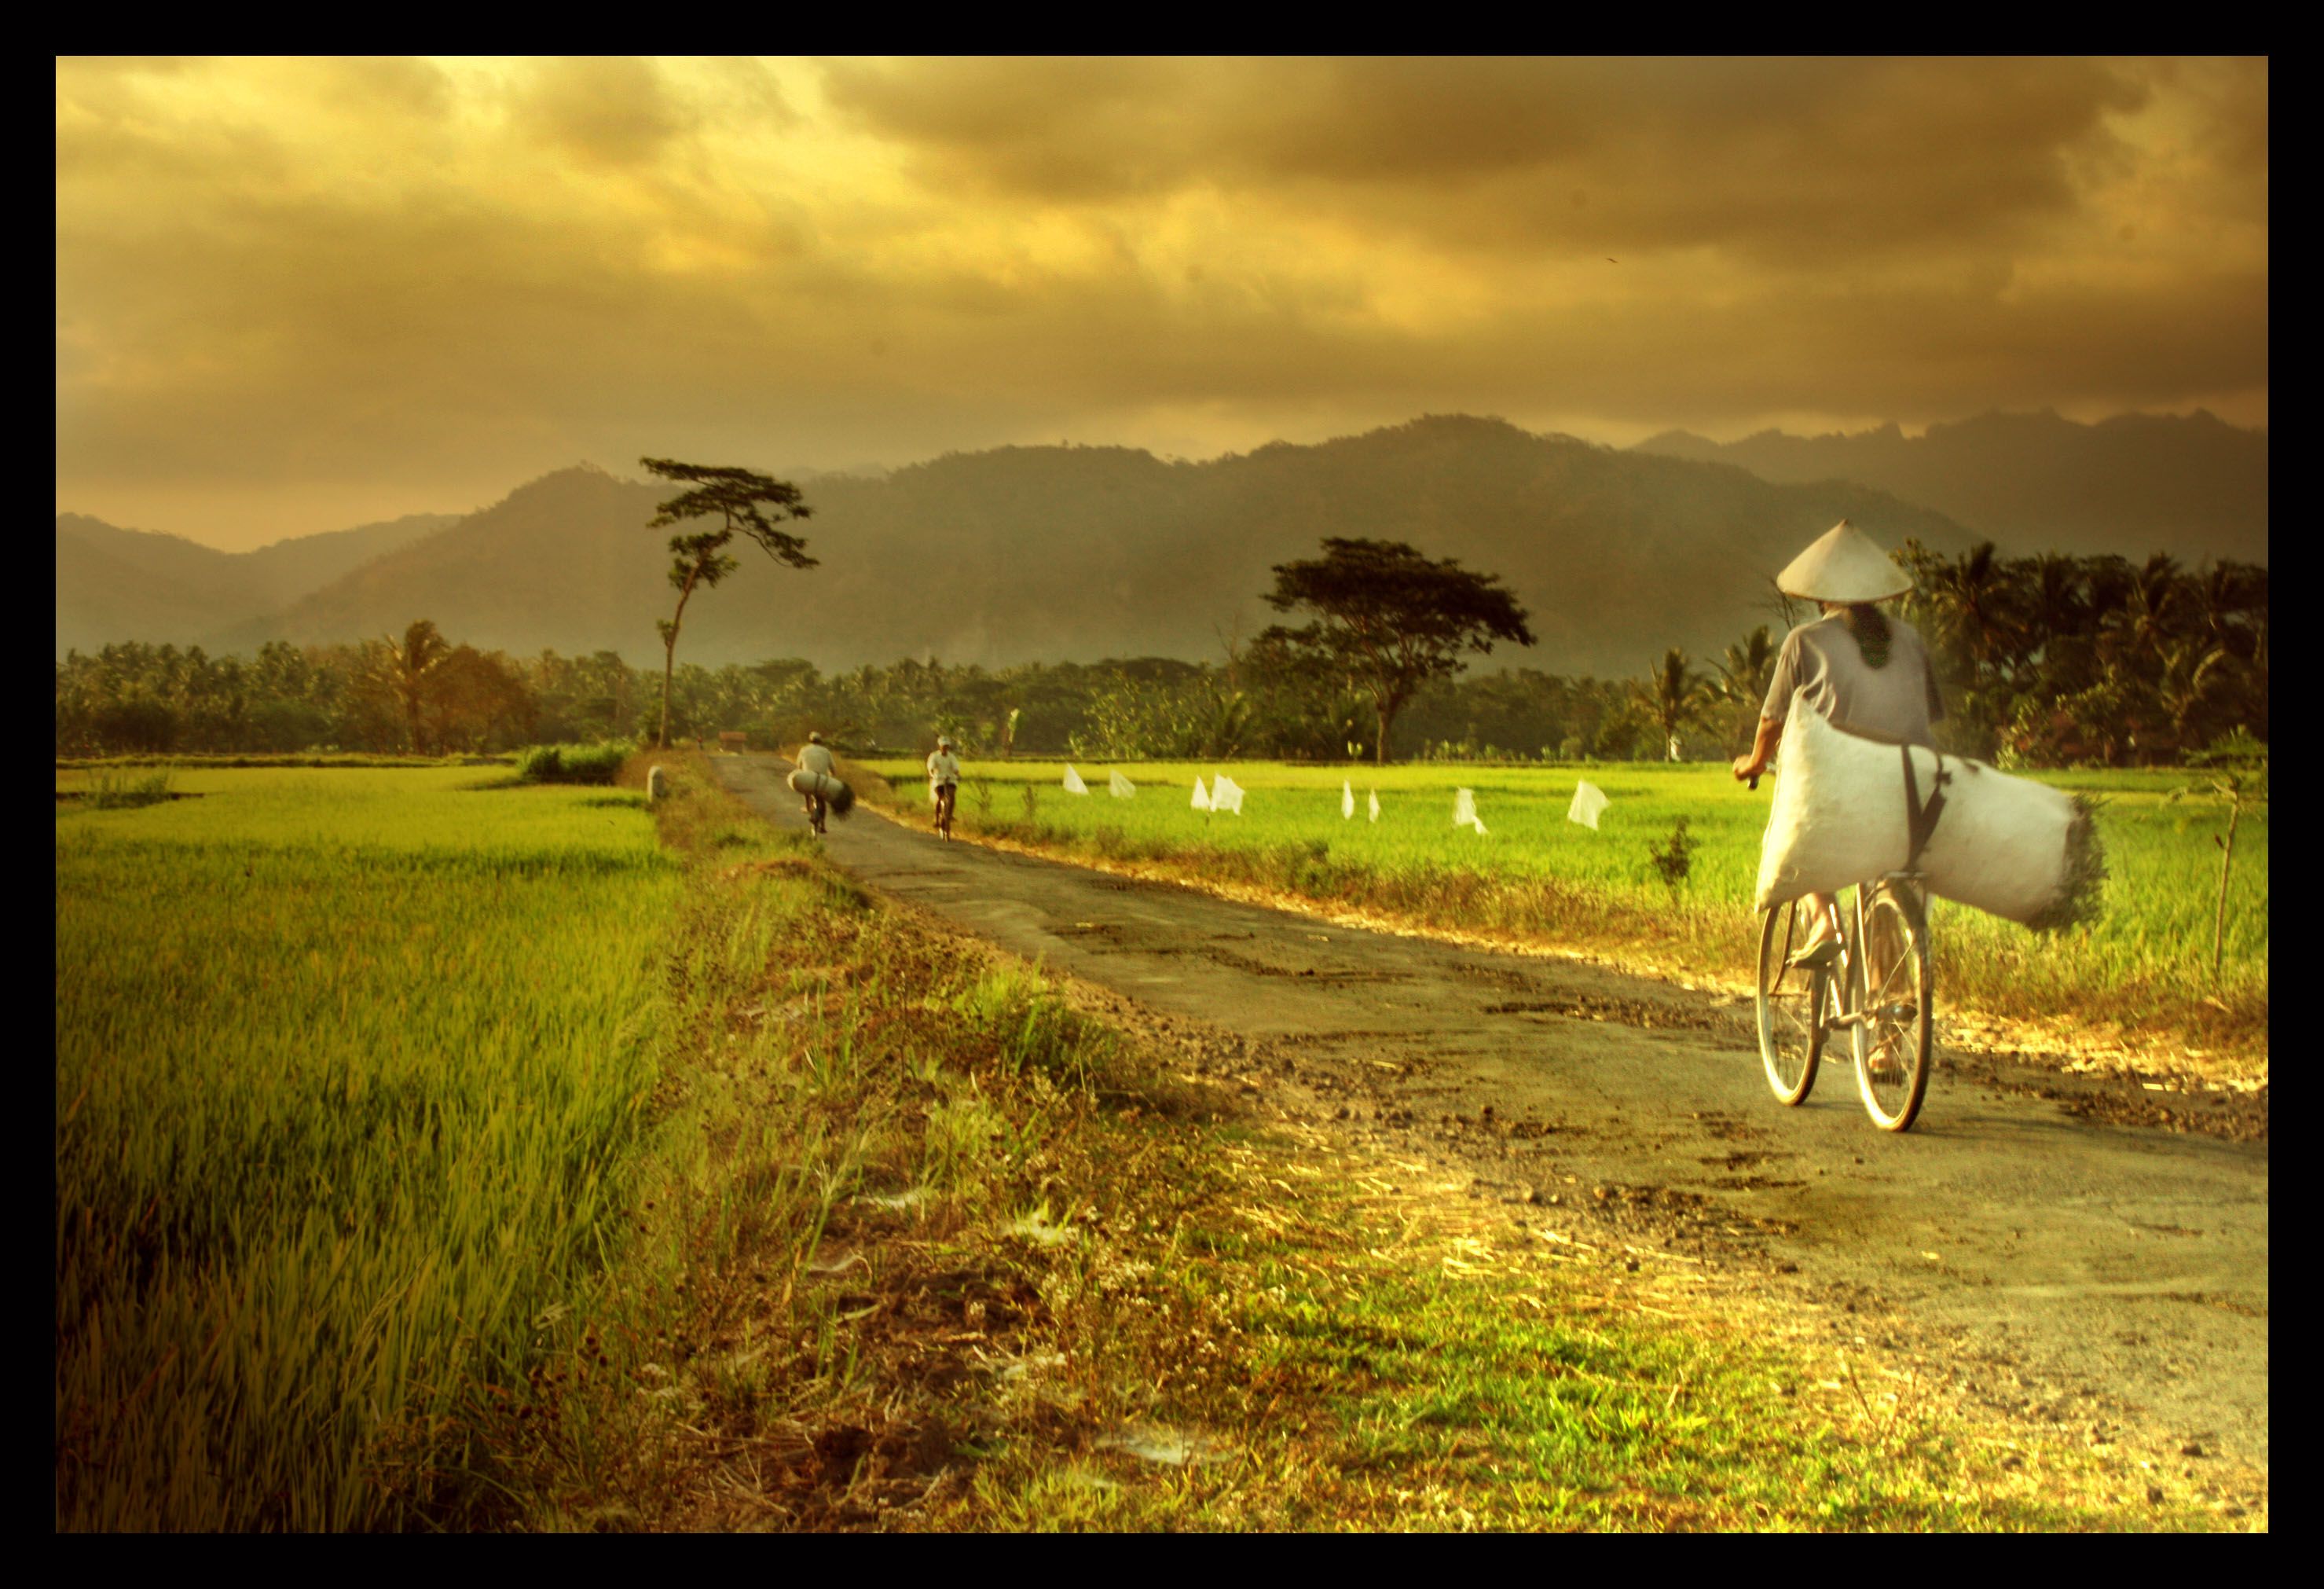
x: 1044, y: 553
x: 115, y: 584
x: 2194, y: 486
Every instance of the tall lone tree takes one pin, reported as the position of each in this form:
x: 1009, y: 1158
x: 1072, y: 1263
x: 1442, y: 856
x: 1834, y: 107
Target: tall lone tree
x: 1392, y: 619
x: 748, y: 504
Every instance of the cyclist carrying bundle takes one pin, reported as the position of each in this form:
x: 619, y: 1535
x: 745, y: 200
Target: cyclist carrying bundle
x: 1861, y: 669
x: 814, y: 761
x: 944, y: 783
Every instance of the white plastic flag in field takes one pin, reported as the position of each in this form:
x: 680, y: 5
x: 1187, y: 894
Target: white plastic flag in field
x: 1202, y: 795
x: 1465, y: 810
x: 1375, y: 805
x: 1589, y: 800
x: 1347, y: 801
x: 1122, y: 788
x: 1073, y: 784
x: 1226, y: 795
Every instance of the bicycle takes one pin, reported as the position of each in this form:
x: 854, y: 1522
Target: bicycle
x: 1879, y: 990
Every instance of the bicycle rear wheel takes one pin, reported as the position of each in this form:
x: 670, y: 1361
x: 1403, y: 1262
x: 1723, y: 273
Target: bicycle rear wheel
x: 1895, y: 997
x: 1794, y: 1005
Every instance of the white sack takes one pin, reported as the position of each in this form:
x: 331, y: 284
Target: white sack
x: 2006, y: 844
x: 1375, y: 805
x: 1347, y: 801
x: 1202, y: 795
x: 1122, y: 788
x: 1589, y: 801
x: 831, y: 791
x: 1073, y: 784
x: 1226, y: 795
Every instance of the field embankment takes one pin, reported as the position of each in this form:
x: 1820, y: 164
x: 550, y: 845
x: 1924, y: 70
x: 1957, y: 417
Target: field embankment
x: 2137, y: 983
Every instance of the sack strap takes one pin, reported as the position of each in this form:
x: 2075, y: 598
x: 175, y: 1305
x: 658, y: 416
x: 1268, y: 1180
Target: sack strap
x: 1921, y: 821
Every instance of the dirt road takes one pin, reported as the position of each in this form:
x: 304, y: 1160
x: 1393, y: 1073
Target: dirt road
x: 2077, y: 1273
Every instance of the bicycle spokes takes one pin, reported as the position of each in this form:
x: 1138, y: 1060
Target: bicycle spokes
x: 1891, y: 1036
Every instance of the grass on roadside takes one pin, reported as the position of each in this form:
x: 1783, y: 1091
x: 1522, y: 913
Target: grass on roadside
x: 435, y: 1156
x: 930, y: 1247
x: 2140, y: 975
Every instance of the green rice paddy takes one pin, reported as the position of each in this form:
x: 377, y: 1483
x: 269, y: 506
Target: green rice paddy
x: 2145, y: 962
x: 349, y: 1069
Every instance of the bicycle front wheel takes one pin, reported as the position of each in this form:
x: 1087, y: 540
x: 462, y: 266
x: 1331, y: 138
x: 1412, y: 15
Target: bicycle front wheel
x: 1794, y: 1005
x: 1894, y: 1000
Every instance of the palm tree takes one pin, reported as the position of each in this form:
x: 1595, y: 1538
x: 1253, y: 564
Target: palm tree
x: 1744, y: 676
x: 1969, y: 598
x: 2054, y: 606
x: 2191, y: 670
x: 404, y: 667
x: 2153, y: 605
x: 1675, y: 694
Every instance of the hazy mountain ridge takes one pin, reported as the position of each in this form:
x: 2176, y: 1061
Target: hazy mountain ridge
x: 115, y: 584
x: 1077, y: 553
x: 2193, y: 486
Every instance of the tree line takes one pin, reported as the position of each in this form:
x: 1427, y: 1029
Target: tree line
x: 2043, y: 660
x: 418, y: 693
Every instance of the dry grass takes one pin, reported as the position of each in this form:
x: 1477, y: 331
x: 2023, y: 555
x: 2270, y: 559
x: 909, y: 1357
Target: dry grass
x: 933, y: 1244
x: 2007, y: 990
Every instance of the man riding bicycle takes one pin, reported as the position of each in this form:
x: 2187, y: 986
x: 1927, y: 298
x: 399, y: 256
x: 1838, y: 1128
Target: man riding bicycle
x: 815, y: 756
x: 1865, y: 671
x: 944, y: 783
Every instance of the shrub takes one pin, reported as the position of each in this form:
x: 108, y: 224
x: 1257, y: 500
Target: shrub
x: 573, y: 764
x: 1676, y: 860
x: 111, y: 791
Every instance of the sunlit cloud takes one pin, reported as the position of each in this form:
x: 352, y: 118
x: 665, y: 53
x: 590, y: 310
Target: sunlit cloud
x: 293, y: 294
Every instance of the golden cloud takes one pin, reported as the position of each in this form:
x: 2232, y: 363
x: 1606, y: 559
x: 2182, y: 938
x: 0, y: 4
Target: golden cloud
x: 427, y: 281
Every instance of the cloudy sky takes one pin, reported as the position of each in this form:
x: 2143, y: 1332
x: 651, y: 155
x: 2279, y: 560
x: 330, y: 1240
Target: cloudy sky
x: 295, y: 295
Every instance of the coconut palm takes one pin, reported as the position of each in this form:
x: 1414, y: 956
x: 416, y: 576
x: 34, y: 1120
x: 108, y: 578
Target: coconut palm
x: 2054, y: 603
x: 2191, y: 675
x: 1969, y: 598
x: 404, y: 668
x: 1744, y: 675
x: 1675, y: 696
x: 2152, y: 606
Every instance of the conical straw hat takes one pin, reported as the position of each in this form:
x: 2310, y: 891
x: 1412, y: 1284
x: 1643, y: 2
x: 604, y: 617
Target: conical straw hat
x: 1844, y: 565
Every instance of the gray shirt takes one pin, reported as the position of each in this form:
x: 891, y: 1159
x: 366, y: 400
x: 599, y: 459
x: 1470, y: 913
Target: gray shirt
x: 815, y: 758
x: 1894, y: 704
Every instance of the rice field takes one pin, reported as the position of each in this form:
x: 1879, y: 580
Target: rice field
x: 2145, y: 964
x: 349, y: 1069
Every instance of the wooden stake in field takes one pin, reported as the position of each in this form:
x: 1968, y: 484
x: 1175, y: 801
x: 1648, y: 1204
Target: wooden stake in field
x: 2239, y: 777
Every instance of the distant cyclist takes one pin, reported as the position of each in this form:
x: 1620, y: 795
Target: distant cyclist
x: 1865, y: 671
x: 944, y: 783
x: 815, y: 756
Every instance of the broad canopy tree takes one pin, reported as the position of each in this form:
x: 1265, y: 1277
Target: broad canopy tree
x: 747, y: 503
x: 1391, y: 619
